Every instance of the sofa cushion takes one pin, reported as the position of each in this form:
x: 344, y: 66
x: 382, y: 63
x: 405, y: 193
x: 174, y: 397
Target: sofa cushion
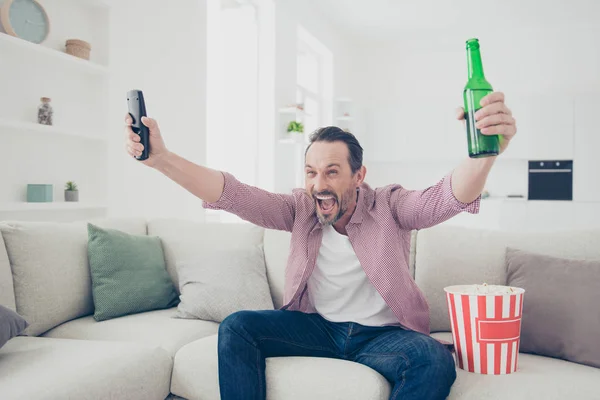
x: 128, y: 272
x: 218, y: 283
x: 53, y: 369
x: 195, y: 376
x: 7, y: 289
x: 11, y: 324
x: 277, y: 248
x: 450, y: 255
x: 183, y: 240
x: 413, y: 252
x: 154, y: 328
x: 561, y: 305
x: 537, y: 377
x: 50, y: 268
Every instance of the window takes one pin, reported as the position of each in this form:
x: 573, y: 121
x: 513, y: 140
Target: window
x: 231, y: 139
x: 314, y: 80
x: 314, y: 89
x: 238, y: 59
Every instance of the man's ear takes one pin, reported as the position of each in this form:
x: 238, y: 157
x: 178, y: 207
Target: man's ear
x: 360, y: 175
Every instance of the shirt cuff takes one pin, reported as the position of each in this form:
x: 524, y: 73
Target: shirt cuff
x: 227, y: 198
x: 472, y: 207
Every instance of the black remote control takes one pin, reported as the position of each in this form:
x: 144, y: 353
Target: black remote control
x: 137, y: 110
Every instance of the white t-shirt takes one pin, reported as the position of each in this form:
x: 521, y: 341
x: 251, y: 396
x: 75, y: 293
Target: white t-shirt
x: 340, y: 290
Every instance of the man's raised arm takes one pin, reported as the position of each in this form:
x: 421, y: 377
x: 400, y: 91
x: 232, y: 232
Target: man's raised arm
x: 218, y: 190
x: 461, y: 189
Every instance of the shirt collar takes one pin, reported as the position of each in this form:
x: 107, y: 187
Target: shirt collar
x: 359, y: 211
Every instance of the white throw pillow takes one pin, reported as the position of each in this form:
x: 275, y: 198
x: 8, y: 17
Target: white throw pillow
x: 220, y: 282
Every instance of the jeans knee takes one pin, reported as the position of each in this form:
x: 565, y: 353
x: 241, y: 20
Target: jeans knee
x: 438, y: 362
x: 442, y: 369
x: 232, y: 320
x: 235, y: 323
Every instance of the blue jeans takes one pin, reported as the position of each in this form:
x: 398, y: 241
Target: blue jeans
x: 416, y: 365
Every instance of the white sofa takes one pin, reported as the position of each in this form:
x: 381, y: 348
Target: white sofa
x: 154, y: 356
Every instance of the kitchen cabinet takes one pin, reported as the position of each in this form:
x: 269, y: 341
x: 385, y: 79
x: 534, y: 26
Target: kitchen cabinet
x: 586, y: 168
x: 531, y: 216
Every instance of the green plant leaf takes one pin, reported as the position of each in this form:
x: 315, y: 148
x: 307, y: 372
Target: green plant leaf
x: 295, y: 126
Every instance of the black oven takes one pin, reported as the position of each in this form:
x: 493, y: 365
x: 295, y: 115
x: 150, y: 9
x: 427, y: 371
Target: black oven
x: 551, y: 180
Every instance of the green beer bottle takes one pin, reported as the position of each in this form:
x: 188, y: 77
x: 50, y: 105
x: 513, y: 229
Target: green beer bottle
x: 477, y: 87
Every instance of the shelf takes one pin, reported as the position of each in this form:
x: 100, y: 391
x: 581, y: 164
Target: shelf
x: 49, y: 206
x: 43, y: 51
x: 286, y: 110
x: 293, y: 138
x: 293, y: 110
x: 43, y: 129
x: 290, y: 141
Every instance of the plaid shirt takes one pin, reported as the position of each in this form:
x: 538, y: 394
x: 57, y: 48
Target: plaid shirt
x: 379, y: 230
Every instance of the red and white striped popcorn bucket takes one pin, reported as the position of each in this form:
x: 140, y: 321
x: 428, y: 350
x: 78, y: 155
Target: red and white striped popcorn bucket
x: 486, y: 327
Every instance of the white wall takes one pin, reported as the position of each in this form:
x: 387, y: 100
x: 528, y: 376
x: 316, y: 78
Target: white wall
x: 415, y: 84
x: 288, y: 15
x: 411, y: 85
x: 161, y: 50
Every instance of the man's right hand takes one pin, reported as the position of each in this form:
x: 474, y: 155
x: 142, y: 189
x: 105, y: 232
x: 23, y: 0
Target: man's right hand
x: 157, y: 145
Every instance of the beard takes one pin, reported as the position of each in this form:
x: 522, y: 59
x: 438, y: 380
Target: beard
x: 339, y: 208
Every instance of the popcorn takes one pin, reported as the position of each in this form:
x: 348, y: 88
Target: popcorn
x: 484, y: 289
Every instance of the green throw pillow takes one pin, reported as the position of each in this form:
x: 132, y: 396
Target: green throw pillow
x: 128, y: 272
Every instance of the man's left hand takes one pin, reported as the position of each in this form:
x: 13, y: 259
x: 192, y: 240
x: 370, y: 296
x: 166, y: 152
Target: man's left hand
x: 494, y: 118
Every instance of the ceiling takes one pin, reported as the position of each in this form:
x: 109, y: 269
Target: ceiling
x: 388, y: 19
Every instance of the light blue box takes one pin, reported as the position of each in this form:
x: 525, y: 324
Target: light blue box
x: 39, y: 193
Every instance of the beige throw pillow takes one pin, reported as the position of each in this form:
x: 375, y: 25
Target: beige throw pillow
x: 220, y: 282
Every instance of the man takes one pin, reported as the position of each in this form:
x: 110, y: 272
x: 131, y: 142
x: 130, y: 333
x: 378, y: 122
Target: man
x: 348, y: 291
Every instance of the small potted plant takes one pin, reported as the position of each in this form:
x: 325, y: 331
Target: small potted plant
x: 296, y: 129
x: 71, y: 192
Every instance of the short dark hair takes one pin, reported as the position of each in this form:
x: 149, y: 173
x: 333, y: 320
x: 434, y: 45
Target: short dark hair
x: 335, y: 134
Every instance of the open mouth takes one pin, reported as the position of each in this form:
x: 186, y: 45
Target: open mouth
x: 326, y: 203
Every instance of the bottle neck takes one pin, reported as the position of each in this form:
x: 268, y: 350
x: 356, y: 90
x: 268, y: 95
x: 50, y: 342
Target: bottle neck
x: 474, y: 64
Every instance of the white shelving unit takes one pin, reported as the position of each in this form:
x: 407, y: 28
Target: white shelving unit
x: 344, y: 113
x: 296, y: 140
x: 74, y: 147
x: 285, y: 116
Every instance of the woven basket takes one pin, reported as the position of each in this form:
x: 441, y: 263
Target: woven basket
x: 78, y: 48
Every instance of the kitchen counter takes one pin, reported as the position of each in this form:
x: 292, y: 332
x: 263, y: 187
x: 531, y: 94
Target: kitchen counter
x: 520, y: 214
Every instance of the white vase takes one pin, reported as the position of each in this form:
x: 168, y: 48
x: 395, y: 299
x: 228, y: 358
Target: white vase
x: 296, y: 136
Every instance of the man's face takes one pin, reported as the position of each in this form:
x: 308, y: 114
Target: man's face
x: 329, y: 180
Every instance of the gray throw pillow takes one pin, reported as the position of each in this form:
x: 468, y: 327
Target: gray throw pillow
x: 220, y: 282
x: 560, y: 305
x: 11, y: 325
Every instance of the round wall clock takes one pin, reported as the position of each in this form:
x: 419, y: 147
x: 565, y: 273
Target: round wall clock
x: 25, y: 19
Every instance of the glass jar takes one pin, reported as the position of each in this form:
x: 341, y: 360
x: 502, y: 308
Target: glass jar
x: 45, y: 112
